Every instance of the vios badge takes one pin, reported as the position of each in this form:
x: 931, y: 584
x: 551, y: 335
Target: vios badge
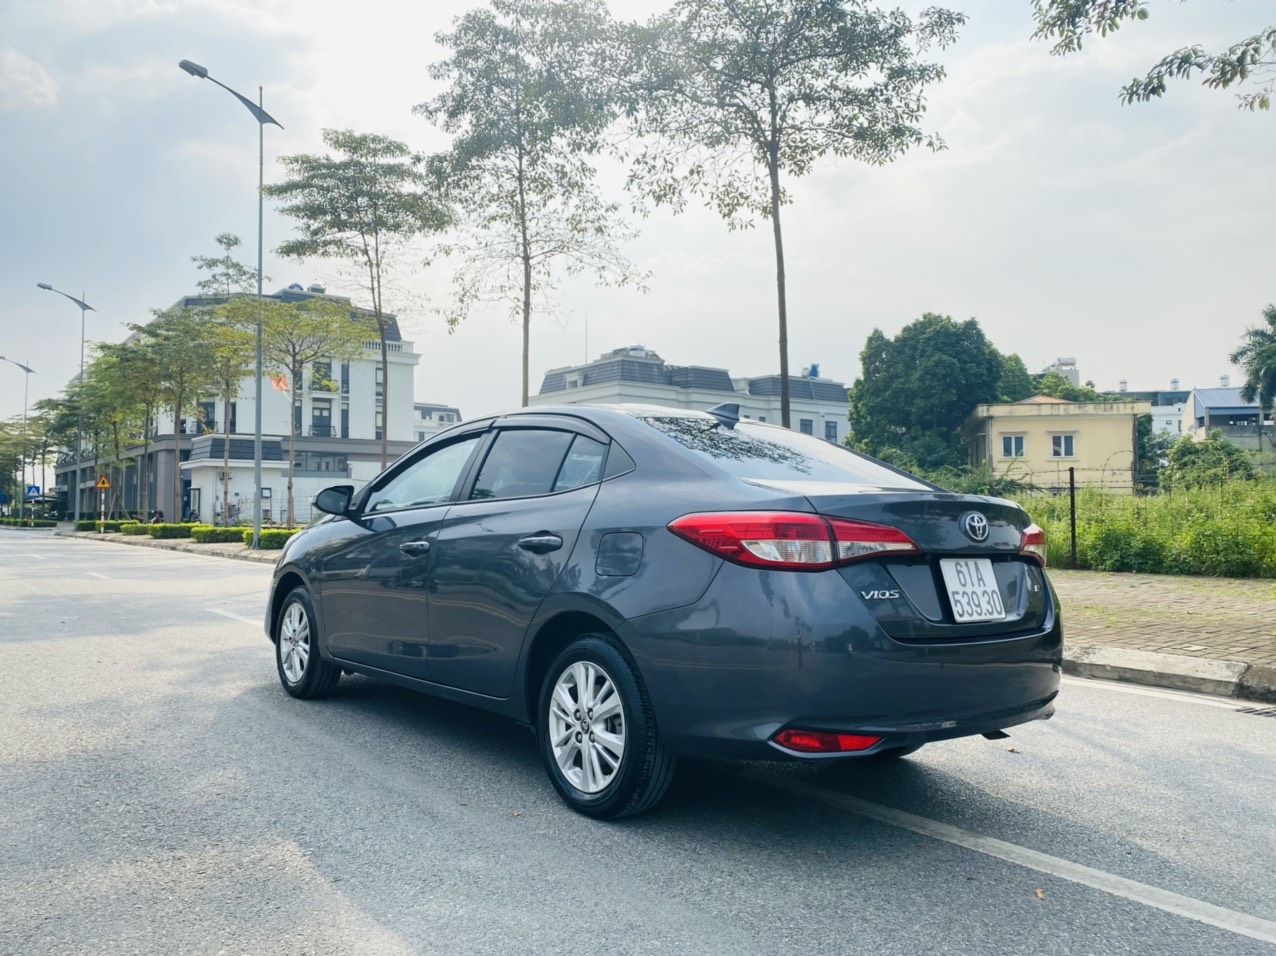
x: 975, y: 525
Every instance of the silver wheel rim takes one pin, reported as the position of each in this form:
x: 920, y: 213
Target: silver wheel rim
x: 587, y: 726
x: 294, y: 643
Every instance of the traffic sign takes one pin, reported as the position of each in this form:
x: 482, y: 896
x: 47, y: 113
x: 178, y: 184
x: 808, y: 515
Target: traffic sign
x: 33, y: 491
x: 103, y: 483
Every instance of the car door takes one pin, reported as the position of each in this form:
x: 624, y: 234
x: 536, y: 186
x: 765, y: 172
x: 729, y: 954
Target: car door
x: 502, y: 548
x: 375, y: 587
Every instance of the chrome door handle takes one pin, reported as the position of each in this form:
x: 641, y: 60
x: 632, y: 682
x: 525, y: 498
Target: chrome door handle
x: 540, y: 543
x: 414, y: 548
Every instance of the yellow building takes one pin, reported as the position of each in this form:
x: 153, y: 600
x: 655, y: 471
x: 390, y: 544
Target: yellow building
x: 1039, y: 439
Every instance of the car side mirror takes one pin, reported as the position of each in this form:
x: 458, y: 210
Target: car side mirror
x: 334, y: 500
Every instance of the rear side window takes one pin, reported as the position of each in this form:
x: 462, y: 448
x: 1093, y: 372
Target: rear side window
x: 765, y: 452
x: 583, y: 464
x: 522, y: 462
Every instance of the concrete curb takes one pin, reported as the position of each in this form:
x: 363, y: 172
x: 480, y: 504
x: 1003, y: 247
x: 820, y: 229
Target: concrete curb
x: 1201, y: 675
x: 177, y: 544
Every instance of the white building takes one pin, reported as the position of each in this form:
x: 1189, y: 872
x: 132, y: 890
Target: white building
x: 1167, y: 406
x: 430, y: 419
x: 339, y: 418
x: 817, y: 406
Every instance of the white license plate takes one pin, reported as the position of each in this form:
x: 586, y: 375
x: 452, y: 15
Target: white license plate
x: 972, y: 589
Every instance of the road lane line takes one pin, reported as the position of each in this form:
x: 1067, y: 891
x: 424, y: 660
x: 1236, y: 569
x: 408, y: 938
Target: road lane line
x: 1242, y: 924
x: 1181, y: 696
x: 97, y: 574
x: 255, y: 622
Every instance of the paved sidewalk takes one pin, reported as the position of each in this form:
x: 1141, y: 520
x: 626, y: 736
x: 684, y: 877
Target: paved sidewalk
x: 236, y: 551
x: 1213, y: 635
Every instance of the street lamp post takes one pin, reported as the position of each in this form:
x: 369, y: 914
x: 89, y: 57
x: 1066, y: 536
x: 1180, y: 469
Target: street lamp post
x: 22, y: 458
x: 262, y: 118
x: 79, y: 415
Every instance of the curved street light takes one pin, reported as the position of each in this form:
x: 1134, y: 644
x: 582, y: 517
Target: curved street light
x: 263, y: 119
x: 22, y: 456
x: 79, y: 418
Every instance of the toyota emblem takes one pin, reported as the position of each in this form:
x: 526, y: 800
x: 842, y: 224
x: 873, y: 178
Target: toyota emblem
x: 975, y: 525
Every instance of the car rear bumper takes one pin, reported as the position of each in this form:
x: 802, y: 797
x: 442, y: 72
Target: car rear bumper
x: 762, y: 651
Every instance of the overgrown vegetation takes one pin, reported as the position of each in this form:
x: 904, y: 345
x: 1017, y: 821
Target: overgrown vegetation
x: 1223, y: 530
x: 272, y: 539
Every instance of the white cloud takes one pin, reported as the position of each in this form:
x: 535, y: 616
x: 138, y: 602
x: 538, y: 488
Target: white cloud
x: 24, y: 83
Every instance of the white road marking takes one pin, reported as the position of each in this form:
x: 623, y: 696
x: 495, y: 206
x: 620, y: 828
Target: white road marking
x: 1180, y: 696
x: 29, y: 584
x: 255, y: 622
x: 1243, y: 924
x: 97, y: 574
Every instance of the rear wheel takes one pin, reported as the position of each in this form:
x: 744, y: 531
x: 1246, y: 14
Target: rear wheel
x: 597, y: 732
x: 302, y: 670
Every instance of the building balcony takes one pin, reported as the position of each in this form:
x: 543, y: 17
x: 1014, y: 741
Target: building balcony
x: 318, y: 430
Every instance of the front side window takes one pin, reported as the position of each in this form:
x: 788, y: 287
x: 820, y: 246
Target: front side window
x: 522, y: 462
x: 427, y: 481
x: 1062, y: 446
x: 1011, y: 446
x: 753, y: 451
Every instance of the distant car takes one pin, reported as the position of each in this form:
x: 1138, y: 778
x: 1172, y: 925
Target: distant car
x: 642, y: 583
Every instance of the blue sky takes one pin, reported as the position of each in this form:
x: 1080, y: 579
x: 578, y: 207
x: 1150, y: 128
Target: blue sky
x: 1136, y: 239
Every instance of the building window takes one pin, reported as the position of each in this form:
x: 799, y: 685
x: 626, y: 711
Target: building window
x: 1062, y: 446
x: 1011, y: 446
x: 321, y: 418
x: 762, y: 418
x: 807, y: 426
x: 345, y: 378
x: 380, y: 423
x: 321, y: 462
x: 830, y: 431
x: 322, y: 372
x: 345, y: 421
x: 296, y: 416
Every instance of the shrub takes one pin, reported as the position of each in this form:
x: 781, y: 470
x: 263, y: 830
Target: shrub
x: 272, y: 539
x: 210, y: 534
x: 28, y: 523
x: 169, y: 530
x: 132, y: 527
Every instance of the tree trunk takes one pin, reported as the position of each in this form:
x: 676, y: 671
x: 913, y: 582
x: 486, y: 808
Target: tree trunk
x: 781, y: 299
x: 226, y: 460
x: 176, y: 514
x: 292, y: 440
x: 527, y: 325
x: 385, y: 394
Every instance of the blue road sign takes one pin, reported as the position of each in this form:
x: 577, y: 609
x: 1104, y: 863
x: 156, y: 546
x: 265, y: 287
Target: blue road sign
x: 33, y: 491
x: 4, y: 498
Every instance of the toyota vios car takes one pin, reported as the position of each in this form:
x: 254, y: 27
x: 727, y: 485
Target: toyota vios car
x: 638, y: 584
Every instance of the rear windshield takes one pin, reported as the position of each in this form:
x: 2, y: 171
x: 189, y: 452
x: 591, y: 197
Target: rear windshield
x: 760, y: 452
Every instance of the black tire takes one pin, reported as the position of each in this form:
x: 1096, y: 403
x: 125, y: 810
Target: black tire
x: 646, y: 767
x: 318, y: 677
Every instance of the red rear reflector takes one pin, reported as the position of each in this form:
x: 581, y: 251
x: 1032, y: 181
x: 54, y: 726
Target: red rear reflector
x: 823, y: 742
x: 785, y: 540
x: 1033, y: 544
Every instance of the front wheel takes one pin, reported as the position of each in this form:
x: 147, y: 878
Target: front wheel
x: 598, y: 734
x: 302, y: 670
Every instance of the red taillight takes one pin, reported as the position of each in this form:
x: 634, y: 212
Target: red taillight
x: 1033, y: 544
x: 823, y: 742
x: 784, y: 540
x: 858, y: 539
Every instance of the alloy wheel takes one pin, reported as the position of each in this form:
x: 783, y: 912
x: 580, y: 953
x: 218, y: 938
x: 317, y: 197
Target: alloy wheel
x: 294, y: 643
x: 587, y: 726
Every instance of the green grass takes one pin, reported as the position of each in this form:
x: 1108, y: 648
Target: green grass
x: 1225, y: 531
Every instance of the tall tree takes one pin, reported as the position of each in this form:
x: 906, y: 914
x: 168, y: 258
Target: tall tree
x: 1069, y: 22
x: 360, y: 204
x: 295, y: 335
x: 225, y: 274
x: 529, y: 100
x: 177, y: 343
x: 1257, y: 358
x: 231, y: 357
x: 916, y: 389
x: 1014, y: 384
x: 734, y: 97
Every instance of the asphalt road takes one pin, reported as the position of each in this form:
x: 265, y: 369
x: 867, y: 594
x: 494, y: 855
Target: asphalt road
x: 160, y: 793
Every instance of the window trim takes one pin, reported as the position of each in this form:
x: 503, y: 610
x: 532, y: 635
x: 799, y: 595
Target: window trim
x: 1023, y: 445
